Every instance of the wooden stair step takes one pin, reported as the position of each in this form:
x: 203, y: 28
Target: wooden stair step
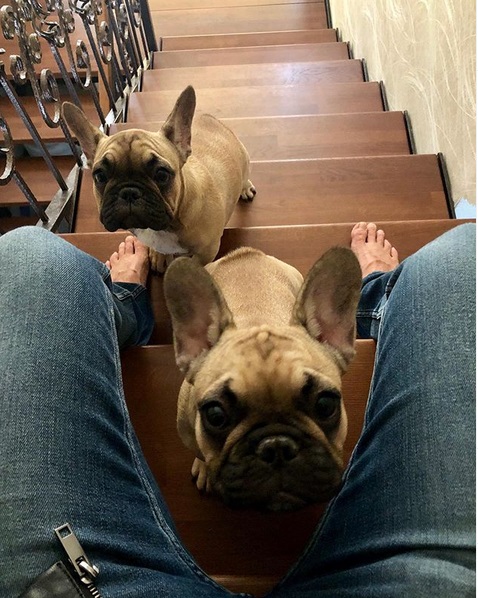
x: 238, y: 40
x: 244, y: 552
x: 344, y: 190
x: 38, y: 178
x: 299, y: 245
x: 325, y: 191
x: 273, y: 100
x: 19, y: 131
x: 313, y: 136
x: 239, y: 19
x: 255, y: 55
x: 272, y: 73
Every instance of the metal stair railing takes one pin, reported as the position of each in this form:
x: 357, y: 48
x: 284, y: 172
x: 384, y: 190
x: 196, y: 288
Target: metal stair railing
x: 99, y: 66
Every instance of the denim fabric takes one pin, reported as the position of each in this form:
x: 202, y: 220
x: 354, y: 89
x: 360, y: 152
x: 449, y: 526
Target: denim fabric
x: 401, y: 525
x: 68, y: 452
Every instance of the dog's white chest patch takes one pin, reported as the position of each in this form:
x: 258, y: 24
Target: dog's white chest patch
x: 162, y: 241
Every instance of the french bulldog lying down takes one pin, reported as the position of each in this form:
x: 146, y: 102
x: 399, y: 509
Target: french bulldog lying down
x: 174, y: 189
x: 263, y: 353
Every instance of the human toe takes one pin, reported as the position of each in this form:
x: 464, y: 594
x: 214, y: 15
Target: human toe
x: 129, y: 245
x: 380, y: 236
x: 359, y: 232
x: 140, y: 248
x: 371, y: 232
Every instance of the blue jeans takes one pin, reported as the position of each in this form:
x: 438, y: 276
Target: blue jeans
x: 401, y: 525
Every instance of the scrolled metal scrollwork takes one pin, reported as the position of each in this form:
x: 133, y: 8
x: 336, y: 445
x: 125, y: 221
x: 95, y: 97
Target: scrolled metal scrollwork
x: 58, y: 50
x: 7, y: 22
x: 7, y: 151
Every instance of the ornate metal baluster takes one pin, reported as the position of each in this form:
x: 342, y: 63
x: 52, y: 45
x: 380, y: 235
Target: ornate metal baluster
x: 124, y: 57
x: 56, y: 34
x: 10, y: 172
x: 89, y: 10
x: 134, y: 12
x: 45, y: 90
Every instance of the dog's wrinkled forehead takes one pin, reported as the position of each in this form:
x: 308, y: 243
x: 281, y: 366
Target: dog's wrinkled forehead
x: 134, y: 150
x: 275, y: 364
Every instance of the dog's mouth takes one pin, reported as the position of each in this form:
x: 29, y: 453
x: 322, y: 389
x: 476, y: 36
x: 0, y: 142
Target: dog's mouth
x: 132, y: 206
x: 285, y: 501
x: 288, y: 491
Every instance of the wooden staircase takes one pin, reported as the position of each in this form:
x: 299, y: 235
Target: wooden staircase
x: 325, y: 154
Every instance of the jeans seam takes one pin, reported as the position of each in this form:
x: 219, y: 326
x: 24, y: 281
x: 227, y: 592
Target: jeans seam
x: 124, y: 294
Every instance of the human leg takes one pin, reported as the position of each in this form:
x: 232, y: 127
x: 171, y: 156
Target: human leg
x: 68, y: 452
x: 403, y: 523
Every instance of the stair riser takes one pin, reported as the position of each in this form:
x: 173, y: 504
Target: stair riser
x: 201, y: 42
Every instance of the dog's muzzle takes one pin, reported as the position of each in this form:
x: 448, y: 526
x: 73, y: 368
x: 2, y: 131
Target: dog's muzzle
x: 279, y: 468
x: 132, y: 206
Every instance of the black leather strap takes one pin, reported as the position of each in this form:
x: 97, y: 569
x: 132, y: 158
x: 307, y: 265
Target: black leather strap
x: 56, y: 582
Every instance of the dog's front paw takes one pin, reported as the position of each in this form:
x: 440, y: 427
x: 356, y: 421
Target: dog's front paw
x: 158, y: 261
x: 200, y: 476
x: 249, y: 192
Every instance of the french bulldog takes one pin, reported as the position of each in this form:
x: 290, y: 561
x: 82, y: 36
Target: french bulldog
x: 174, y: 189
x: 263, y: 352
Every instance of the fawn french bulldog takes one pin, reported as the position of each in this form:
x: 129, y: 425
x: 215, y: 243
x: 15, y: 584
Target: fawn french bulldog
x: 263, y: 353
x: 175, y: 189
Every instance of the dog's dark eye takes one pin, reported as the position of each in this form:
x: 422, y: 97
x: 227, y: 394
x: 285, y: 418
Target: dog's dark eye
x: 100, y: 176
x: 214, y: 416
x: 162, y: 176
x: 327, y: 406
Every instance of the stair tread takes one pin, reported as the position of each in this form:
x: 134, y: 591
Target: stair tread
x: 41, y: 182
x: 298, y: 245
x: 325, y: 191
x: 345, y: 189
x: 269, y: 73
x: 252, y: 55
x: 313, y: 136
x: 236, y: 102
x: 239, y: 19
x: 234, y: 40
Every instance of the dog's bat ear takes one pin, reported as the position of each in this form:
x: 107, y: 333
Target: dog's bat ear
x: 327, y: 302
x: 199, y: 312
x: 177, y: 127
x: 87, y: 134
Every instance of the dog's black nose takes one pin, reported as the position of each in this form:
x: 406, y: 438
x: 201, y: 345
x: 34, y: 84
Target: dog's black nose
x: 129, y: 194
x: 277, y: 449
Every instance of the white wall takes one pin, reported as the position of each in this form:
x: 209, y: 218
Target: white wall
x: 425, y: 52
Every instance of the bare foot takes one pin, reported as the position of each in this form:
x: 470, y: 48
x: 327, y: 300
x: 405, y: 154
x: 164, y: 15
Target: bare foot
x: 373, y: 251
x: 130, y: 263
